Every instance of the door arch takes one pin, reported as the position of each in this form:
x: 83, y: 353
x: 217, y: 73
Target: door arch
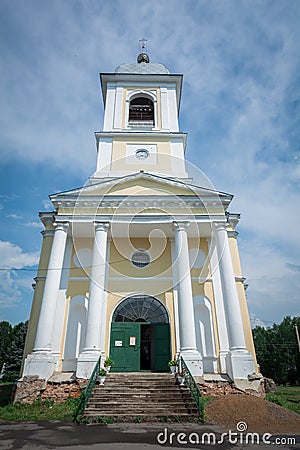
x: 140, y: 335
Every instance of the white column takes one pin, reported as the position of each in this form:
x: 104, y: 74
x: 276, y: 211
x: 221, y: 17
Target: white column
x: 118, y: 108
x: 104, y: 303
x: 231, y: 300
x: 42, y: 362
x: 164, y: 112
x: 240, y: 362
x: 43, y: 340
x: 108, y: 124
x: 188, y: 348
x: 175, y: 297
x: 96, y: 304
x: 97, y: 289
x: 219, y: 303
x: 58, y: 326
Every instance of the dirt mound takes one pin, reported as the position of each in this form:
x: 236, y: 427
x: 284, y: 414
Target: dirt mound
x: 260, y: 415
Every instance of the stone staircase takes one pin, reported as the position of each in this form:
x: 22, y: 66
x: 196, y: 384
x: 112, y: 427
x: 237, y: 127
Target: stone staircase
x: 141, y: 397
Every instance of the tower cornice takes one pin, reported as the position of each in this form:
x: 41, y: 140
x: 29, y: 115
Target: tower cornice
x: 144, y: 134
x: 138, y: 78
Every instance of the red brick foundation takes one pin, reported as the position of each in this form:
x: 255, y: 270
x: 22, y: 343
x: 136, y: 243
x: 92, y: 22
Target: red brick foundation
x: 31, y: 388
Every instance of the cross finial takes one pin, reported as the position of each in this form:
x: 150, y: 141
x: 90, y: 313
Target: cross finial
x: 143, y: 57
x: 143, y: 45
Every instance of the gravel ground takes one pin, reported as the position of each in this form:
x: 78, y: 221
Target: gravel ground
x: 260, y: 415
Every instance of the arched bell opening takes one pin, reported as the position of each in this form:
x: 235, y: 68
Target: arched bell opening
x: 141, y: 111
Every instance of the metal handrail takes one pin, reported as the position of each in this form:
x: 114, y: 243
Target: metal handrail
x: 192, y: 385
x: 87, y: 392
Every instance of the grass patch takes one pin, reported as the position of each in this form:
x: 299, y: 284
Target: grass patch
x: 203, y: 401
x: 102, y: 419
x: 138, y: 419
x: 287, y: 397
x: 39, y: 410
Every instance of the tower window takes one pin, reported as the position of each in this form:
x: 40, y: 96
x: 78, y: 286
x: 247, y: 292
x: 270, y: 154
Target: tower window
x: 141, y: 112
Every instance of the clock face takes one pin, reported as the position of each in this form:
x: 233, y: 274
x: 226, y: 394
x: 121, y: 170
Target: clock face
x: 142, y: 154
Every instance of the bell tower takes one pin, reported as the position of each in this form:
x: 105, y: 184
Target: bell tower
x: 140, y: 130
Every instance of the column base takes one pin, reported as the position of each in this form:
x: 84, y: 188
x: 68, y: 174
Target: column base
x: 223, y: 355
x: 240, y: 364
x: 210, y: 364
x: 86, y: 363
x: 193, y: 360
x: 41, y: 364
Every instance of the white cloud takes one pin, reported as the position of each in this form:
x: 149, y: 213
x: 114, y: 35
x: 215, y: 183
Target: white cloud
x: 14, y: 286
x: 13, y: 257
x: 273, y: 283
x: 11, y: 295
x: 239, y: 106
x: 14, y: 216
x: 34, y: 224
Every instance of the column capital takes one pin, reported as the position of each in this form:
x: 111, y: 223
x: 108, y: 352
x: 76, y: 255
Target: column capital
x: 101, y: 226
x: 221, y: 225
x: 48, y: 222
x: 180, y: 225
x: 61, y: 225
x: 46, y: 233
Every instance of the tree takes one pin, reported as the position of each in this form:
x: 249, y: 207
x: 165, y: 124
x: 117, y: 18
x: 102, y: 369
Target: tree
x: 5, y: 341
x: 12, y: 345
x: 277, y: 351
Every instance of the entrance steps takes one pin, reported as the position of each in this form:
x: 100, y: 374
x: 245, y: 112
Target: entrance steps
x: 141, y: 397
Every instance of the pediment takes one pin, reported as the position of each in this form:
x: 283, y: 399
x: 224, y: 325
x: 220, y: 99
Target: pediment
x: 139, y: 185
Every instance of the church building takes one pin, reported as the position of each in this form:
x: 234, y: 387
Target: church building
x: 141, y: 264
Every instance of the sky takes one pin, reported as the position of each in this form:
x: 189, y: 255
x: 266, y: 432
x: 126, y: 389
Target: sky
x: 240, y: 107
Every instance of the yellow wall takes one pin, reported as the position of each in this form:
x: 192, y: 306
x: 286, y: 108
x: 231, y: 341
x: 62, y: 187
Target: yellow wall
x: 235, y: 256
x: 125, y: 280
x: 78, y: 244
x: 120, y: 254
x: 163, y: 155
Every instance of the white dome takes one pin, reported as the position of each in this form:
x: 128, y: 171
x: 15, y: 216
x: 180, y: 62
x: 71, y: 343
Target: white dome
x: 142, y: 68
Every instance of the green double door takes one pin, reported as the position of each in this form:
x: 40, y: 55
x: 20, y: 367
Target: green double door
x: 136, y: 346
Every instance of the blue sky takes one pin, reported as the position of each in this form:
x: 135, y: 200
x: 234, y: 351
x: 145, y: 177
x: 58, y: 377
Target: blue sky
x: 240, y: 107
